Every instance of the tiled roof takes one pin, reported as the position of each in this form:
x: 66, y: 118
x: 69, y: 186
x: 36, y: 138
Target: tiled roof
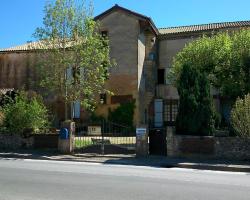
x: 35, y: 46
x: 203, y: 27
x: 23, y: 47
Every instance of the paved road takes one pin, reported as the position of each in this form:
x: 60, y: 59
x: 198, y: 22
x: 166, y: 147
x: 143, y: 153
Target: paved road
x: 38, y: 180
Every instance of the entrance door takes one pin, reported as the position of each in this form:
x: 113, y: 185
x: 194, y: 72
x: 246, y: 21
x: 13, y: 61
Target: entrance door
x: 157, y: 142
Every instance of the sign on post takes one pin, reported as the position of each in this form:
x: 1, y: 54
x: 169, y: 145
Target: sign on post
x: 140, y: 132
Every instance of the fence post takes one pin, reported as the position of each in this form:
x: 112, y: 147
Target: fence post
x: 102, y: 132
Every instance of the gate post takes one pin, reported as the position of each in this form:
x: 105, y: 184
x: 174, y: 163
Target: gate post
x: 66, y: 144
x: 170, y: 142
x: 142, y: 140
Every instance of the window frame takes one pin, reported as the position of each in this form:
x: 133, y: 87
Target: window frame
x: 169, y: 117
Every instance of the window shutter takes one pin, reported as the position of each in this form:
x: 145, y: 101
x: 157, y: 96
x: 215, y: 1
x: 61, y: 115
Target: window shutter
x: 76, y: 109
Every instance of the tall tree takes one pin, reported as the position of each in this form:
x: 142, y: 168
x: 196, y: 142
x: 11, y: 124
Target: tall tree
x: 196, y: 114
x: 74, y: 57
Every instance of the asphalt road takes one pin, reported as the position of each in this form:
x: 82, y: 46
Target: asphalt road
x: 37, y: 180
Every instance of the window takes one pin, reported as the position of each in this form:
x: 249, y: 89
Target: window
x: 152, y: 56
x: 161, y: 76
x: 121, y: 99
x: 103, y: 98
x: 104, y: 34
x: 170, y: 111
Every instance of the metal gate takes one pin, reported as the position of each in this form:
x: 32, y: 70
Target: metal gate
x: 105, y: 138
x: 157, y: 142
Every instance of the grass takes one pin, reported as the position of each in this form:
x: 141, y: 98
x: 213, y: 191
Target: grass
x: 81, y: 142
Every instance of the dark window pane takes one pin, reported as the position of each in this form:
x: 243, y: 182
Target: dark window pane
x: 161, y: 76
x: 104, y: 33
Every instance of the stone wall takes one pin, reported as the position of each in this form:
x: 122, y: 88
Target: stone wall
x: 232, y: 148
x: 207, y: 147
x: 8, y: 141
x: 36, y: 141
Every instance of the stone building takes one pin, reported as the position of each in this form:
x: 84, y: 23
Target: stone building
x: 143, y: 54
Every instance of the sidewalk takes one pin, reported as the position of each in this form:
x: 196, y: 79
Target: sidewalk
x: 152, y: 161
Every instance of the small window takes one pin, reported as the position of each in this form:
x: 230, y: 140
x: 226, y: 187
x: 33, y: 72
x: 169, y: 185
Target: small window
x: 121, y: 99
x: 103, y: 98
x: 161, y: 76
x: 151, y: 56
x: 104, y: 34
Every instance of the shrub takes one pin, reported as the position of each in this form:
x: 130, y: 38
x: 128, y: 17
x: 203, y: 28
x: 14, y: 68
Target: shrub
x: 1, y: 118
x: 25, y: 114
x: 124, y: 114
x: 196, y: 113
x: 240, y: 116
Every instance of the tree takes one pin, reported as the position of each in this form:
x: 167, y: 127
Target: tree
x: 73, y: 57
x: 196, y: 114
x: 240, y: 116
x: 224, y: 57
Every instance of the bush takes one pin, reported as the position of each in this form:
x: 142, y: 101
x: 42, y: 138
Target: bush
x: 240, y: 116
x: 25, y: 115
x: 1, y: 118
x: 124, y: 114
x: 196, y: 112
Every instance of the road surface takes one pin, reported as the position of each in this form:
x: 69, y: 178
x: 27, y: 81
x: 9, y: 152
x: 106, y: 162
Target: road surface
x: 56, y: 180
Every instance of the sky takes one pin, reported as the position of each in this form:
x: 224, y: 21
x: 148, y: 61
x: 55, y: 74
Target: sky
x: 20, y: 18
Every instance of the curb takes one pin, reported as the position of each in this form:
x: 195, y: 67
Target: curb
x: 200, y: 166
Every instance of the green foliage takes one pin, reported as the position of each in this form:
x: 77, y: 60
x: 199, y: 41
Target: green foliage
x: 225, y: 57
x: 97, y: 119
x: 240, y: 116
x: 196, y: 113
x: 70, y: 41
x: 123, y: 114
x: 24, y: 114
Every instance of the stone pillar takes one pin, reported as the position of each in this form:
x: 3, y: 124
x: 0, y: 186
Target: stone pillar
x: 170, y: 141
x: 142, y: 140
x: 67, y: 145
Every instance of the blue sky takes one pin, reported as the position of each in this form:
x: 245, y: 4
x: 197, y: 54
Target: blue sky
x: 19, y: 18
